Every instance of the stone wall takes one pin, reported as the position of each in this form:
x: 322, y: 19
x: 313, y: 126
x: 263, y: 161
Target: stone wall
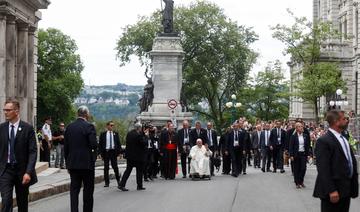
x: 18, y: 50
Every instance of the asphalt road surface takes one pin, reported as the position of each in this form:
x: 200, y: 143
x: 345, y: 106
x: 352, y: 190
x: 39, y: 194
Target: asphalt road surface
x: 254, y: 192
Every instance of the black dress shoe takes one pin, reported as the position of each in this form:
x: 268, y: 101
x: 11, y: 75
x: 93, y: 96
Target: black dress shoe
x: 274, y: 171
x: 282, y: 171
x: 122, y: 188
x: 263, y: 170
x: 184, y: 176
x: 140, y: 188
x: 234, y: 175
x: 244, y: 173
x: 212, y: 174
x: 106, y: 185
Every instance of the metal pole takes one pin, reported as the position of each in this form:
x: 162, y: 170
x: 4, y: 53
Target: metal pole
x: 356, y: 92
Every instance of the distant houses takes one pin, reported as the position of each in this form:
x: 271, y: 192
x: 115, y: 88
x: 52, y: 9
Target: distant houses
x: 100, y: 100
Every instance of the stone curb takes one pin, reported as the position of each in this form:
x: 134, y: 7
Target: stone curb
x: 54, y: 189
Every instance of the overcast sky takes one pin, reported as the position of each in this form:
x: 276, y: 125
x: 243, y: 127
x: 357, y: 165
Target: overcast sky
x: 96, y: 26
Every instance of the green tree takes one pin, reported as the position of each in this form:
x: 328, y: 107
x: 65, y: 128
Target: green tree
x: 217, y: 50
x: 59, y: 75
x: 267, y: 95
x: 303, y: 42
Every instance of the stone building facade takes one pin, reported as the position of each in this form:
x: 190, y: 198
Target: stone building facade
x: 18, y: 53
x: 344, y: 16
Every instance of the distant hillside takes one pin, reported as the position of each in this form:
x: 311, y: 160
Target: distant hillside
x: 111, y: 101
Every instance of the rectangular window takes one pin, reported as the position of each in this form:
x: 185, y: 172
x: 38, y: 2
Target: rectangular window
x: 345, y: 29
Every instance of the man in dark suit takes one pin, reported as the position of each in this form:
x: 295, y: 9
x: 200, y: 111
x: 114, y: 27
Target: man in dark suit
x: 196, y: 133
x: 266, y: 148
x: 110, y: 148
x: 299, y: 152
x: 18, y: 154
x: 212, y: 144
x: 337, y: 179
x: 80, y: 150
x: 226, y: 159
x: 135, y: 153
x: 278, y: 140
x: 255, y: 145
x: 184, y: 147
x: 236, y: 149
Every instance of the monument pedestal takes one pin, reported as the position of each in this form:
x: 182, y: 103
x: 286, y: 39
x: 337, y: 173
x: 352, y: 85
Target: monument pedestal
x: 167, y: 60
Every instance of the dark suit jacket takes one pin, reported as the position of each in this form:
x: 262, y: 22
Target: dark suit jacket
x: 194, y: 136
x: 102, y: 143
x: 80, y: 147
x: 214, y: 139
x: 25, y: 150
x: 255, y: 140
x: 262, y: 140
x: 331, y: 164
x: 223, y: 142
x: 274, y: 138
x: 164, y: 139
x: 135, y: 146
x: 244, y: 143
x: 181, y: 134
x: 289, y: 133
x: 294, y: 145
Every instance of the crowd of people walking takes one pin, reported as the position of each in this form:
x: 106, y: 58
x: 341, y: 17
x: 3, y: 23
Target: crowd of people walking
x: 153, y: 151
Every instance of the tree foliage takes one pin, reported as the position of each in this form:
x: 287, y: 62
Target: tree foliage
x: 59, y: 75
x: 217, y: 50
x: 303, y: 41
x: 267, y: 95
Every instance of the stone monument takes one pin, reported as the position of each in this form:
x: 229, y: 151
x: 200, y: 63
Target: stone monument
x: 18, y: 53
x: 167, y: 61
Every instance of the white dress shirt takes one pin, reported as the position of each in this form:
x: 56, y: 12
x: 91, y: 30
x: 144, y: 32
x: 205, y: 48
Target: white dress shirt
x: 46, y: 130
x: 345, y: 145
x: 301, y: 143
x: 108, y: 134
x: 16, y: 127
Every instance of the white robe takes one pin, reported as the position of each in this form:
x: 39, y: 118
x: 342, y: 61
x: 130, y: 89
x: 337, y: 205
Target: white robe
x: 200, y: 160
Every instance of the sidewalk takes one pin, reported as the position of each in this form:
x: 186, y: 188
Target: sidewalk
x: 55, y: 181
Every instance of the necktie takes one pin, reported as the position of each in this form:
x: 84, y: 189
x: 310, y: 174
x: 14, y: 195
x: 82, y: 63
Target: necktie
x: 198, y: 132
x: 12, y: 145
x: 279, y: 136
x: 111, y: 141
x: 348, y: 157
x: 209, y: 136
x: 236, y: 136
x: 186, y: 137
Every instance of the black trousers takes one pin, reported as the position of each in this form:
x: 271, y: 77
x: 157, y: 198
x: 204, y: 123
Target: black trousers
x: 236, y: 160
x: 299, y: 168
x: 266, y: 158
x: 148, y: 166
x: 278, y: 160
x: 45, y: 152
x: 86, y: 178
x: 110, y: 156
x: 226, y: 163
x: 211, y: 162
x: 155, y: 166
x: 139, y: 172
x: 257, y: 157
x: 8, y: 180
x: 185, y: 162
x: 342, y: 206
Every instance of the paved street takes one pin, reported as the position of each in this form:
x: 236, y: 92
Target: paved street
x: 255, y: 192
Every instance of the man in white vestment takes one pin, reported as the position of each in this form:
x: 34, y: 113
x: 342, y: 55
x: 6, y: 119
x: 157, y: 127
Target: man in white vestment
x: 200, y: 155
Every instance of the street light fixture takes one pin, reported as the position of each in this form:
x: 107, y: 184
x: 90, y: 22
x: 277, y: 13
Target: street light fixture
x: 338, y: 101
x: 233, y: 105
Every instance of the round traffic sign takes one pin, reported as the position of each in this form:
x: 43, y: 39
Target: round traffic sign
x: 172, y: 104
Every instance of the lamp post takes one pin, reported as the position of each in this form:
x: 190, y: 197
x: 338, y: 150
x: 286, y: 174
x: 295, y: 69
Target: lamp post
x: 338, y: 101
x: 233, y: 105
